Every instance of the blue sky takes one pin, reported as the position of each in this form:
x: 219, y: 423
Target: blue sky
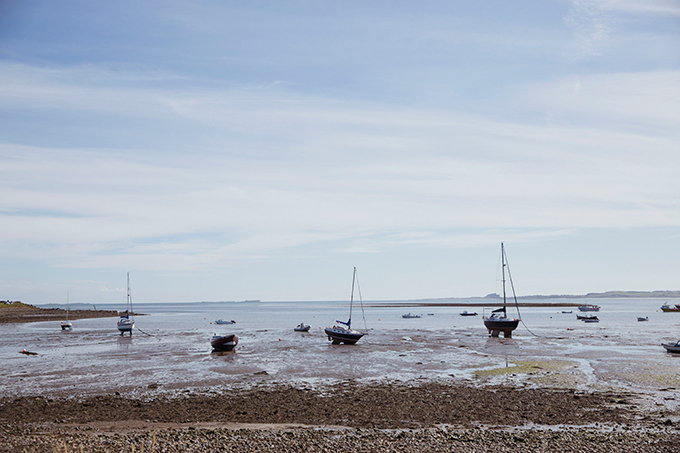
x: 260, y: 150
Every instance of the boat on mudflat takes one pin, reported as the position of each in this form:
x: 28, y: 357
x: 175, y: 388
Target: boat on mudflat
x: 126, y: 322
x: 498, y: 321
x: 645, y: 318
x: 591, y: 319
x: 409, y: 315
x: 302, y: 327
x: 222, y: 321
x: 667, y: 308
x: 589, y: 307
x: 224, y: 342
x: 675, y: 348
x: 467, y: 313
x: 342, y: 331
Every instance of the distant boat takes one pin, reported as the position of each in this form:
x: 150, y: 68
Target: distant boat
x: 640, y: 318
x: 467, y: 313
x: 667, y: 308
x: 222, y: 321
x: 591, y: 319
x: 66, y: 325
x: 127, y: 322
x: 224, y: 342
x: 567, y: 311
x: 302, y: 327
x: 589, y: 307
x: 498, y: 321
x: 409, y: 315
x: 342, y: 332
x: 672, y: 347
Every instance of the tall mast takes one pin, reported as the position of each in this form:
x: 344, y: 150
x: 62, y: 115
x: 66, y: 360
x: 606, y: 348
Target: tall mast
x: 503, y: 262
x: 351, y: 300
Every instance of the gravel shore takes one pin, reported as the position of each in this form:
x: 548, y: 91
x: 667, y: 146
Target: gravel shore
x: 354, y: 417
x: 18, y: 312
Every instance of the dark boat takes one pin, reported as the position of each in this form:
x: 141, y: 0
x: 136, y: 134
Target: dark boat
x: 224, y: 342
x: 342, y: 332
x: 301, y: 328
x: 668, y: 309
x: 498, y: 321
x: 675, y: 348
x: 591, y: 319
x: 467, y: 313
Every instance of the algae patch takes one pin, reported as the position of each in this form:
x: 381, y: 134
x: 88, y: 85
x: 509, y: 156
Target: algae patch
x: 529, y: 367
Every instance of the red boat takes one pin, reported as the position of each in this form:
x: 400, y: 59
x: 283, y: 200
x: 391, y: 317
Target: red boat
x: 224, y: 342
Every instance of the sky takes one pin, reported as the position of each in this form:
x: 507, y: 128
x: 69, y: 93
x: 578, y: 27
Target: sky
x: 227, y: 150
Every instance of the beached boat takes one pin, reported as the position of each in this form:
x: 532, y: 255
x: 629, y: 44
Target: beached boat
x: 640, y: 318
x: 342, y: 332
x: 467, y: 313
x: 498, y: 321
x: 126, y: 322
x: 672, y: 347
x: 589, y: 307
x: 567, y: 311
x: 591, y: 319
x: 667, y: 308
x: 302, y: 327
x: 409, y: 316
x: 66, y: 325
x: 222, y: 321
x: 224, y: 342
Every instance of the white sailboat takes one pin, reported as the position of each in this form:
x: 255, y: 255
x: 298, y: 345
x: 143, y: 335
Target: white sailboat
x: 66, y: 325
x: 126, y: 322
x: 342, y: 332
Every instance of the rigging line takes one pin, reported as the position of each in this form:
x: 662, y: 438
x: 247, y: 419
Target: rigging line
x: 512, y: 285
x: 140, y: 330
x: 361, y: 301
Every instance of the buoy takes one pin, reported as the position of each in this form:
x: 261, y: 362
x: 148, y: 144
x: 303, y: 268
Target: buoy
x: 279, y: 339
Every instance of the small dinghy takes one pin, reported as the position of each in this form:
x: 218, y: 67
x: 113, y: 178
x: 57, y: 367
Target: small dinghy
x: 640, y: 318
x: 222, y: 321
x: 224, y: 342
x: 302, y: 328
x: 467, y: 313
x: 410, y: 316
x: 675, y: 348
x: 591, y: 319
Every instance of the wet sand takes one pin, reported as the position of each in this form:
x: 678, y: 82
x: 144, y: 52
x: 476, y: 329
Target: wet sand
x: 432, y: 416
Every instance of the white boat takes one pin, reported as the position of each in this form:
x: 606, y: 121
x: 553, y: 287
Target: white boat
x: 672, y: 347
x: 409, y: 316
x: 302, y: 327
x: 498, y: 321
x: 342, y: 332
x: 589, y: 307
x: 467, y: 313
x: 66, y: 325
x: 222, y: 321
x: 126, y: 322
x: 591, y: 319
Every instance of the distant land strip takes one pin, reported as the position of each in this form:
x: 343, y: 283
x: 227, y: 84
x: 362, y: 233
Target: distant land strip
x: 606, y: 295
x: 17, y: 312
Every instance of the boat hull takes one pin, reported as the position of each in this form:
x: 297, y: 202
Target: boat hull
x: 504, y: 325
x: 301, y: 329
x: 125, y: 325
x: 674, y: 348
x: 224, y: 342
x: 670, y: 310
x: 339, y: 336
x: 66, y: 326
x: 589, y: 308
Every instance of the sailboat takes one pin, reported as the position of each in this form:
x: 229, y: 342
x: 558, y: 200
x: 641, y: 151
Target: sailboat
x: 127, y: 322
x: 342, y: 332
x: 66, y: 325
x: 498, y: 321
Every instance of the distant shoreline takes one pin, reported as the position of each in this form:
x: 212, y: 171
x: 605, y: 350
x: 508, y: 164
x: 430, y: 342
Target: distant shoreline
x: 18, y: 312
x: 668, y: 294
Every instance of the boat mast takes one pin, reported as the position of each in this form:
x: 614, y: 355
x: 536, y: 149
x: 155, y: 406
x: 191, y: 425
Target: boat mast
x: 503, y: 262
x: 351, y: 299
x: 129, y: 297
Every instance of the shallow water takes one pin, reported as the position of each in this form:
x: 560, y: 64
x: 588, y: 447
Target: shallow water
x: 170, y: 348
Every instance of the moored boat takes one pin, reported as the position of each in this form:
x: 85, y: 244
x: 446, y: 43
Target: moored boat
x: 591, y: 319
x: 66, y: 325
x: 222, y: 321
x: 467, y: 313
x: 224, y: 342
x: 675, y: 348
x: 667, y: 308
x: 498, y: 321
x: 126, y: 322
x: 589, y: 307
x: 342, y: 332
x: 302, y: 327
x: 640, y: 318
x: 410, y: 315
